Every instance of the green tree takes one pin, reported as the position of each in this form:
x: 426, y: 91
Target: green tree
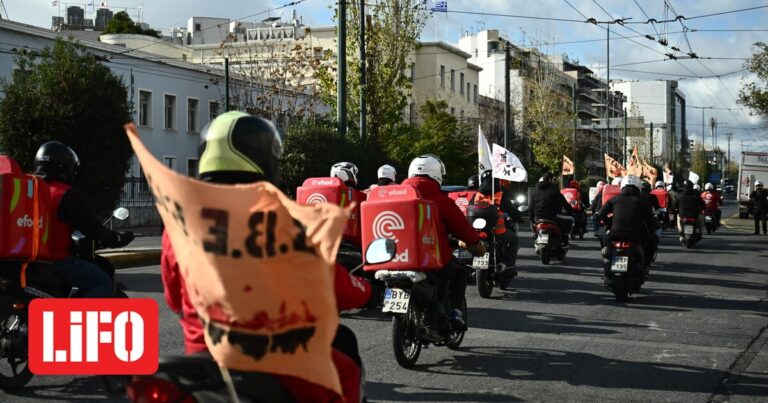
x: 699, y: 163
x: 392, y: 32
x: 754, y: 94
x: 65, y: 93
x: 121, y: 23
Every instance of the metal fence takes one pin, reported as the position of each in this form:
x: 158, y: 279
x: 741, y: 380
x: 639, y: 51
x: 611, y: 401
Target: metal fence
x: 136, y: 193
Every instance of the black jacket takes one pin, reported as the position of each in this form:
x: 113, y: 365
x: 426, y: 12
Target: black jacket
x: 597, y: 203
x: 547, y: 202
x: 688, y: 204
x: 507, y: 204
x: 73, y: 210
x: 653, y: 201
x: 759, y: 201
x: 632, y: 217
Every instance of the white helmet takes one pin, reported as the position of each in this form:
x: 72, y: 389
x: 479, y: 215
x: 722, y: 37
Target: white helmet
x: 599, y: 184
x: 669, y: 188
x: 387, y: 171
x: 630, y: 180
x: 427, y: 165
x: 617, y: 181
x: 709, y: 186
x: 758, y: 183
x: 696, y: 187
x: 346, y: 171
x: 659, y: 184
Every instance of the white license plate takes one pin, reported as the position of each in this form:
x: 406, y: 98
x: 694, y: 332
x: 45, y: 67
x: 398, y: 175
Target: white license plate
x: 620, y: 264
x: 708, y: 219
x: 688, y: 230
x: 396, y: 300
x: 481, y: 262
x: 542, y: 238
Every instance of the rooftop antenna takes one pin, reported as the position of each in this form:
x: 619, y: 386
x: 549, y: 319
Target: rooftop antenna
x: 523, y: 32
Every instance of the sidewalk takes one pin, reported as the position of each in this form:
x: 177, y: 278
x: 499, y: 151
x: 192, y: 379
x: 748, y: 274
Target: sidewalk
x: 143, y: 251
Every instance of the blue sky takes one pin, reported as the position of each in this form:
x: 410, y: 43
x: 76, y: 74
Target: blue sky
x: 547, y: 35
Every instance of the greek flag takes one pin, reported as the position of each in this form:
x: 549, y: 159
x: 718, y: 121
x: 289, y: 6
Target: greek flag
x: 439, y: 6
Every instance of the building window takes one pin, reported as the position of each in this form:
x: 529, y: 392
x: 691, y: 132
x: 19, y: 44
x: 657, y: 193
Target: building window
x: 170, y: 112
x: 453, y: 80
x: 170, y: 162
x: 461, y: 83
x: 412, y: 113
x: 145, y: 108
x: 475, y: 94
x: 192, y: 115
x: 198, y: 27
x: 413, y: 72
x: 442, y: 76
x: 192, y: 167
x: 468, y: 86
x: 213, y: 110
x: 453, y: 111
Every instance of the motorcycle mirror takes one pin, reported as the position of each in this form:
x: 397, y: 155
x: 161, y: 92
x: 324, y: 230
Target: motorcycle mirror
x: 380, y: 251
x: 522, y: 209
x: 121, y: 213
x: 479, y: 223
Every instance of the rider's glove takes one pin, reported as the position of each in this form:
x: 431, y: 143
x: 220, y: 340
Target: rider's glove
x: 122, y: 239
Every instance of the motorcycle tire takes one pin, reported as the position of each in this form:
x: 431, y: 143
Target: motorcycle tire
x: 11, y: 379
x: 561, y: 255
x: 405, y: 342
x: 620, y: 289
x: 689, y: 243
x: 455, y: 342
x: 484, y: 283
x: 545, y: 256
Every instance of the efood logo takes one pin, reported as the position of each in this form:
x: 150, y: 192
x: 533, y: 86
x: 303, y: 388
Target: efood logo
x: 27, y: 222
x: 316, y: 198
x: 383, y: 225
x: 93, y: 336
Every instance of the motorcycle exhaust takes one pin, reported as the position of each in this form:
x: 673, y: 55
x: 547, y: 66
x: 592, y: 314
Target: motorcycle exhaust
x: 429, y: 334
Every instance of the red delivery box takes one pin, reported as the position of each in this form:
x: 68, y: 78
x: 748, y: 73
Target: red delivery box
x: 462, y: 198
x: 573, y: 197
x: 333, y: 191
x: 662, y: 195
x: 19, y: 193
x: 610, y: 191
x: 398, y: 212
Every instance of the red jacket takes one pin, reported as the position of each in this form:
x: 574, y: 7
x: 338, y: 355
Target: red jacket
x: 452, y: 220
x: 712, y: 199
x: 351, y: 292
x: 61, y: 232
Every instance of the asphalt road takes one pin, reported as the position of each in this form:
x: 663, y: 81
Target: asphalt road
x: 696, y: 332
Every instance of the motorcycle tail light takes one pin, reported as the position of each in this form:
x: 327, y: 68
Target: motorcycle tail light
x: 154, y: 390
x: 689, y: 220
x: 19, y: 306
x: 483, y: 235
x: 622, y: 245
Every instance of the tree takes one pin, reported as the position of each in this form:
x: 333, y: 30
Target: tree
x: 699, y: 163
x: 392, y: 32
x: 121, y: 23
x: 754, y: 94
x: 65, y: 93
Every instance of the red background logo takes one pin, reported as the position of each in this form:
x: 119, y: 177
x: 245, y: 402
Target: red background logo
x: 93, y: 336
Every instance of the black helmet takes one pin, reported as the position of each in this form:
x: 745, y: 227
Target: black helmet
x: 645, y: 187
x: 56, y: 161
x: 473, y: 182
x: 240, y: 148
x: 687, y: 185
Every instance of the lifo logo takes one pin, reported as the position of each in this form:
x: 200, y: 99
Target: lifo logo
x: 383, y: 225
x: 93, y: 336
x: 316, y: 198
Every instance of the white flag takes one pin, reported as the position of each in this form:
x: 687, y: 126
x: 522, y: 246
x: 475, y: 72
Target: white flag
x: 507, y: 166
x: 693, y: 177
x: 668, y: 178
x: 483, y: 152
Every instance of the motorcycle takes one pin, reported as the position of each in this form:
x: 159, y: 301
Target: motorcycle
x: 547, y: 241
x: 624, y: 268
x: 709, y: 221
x: 407, y: 297
x: 691, y: 232
x: 42, y: 282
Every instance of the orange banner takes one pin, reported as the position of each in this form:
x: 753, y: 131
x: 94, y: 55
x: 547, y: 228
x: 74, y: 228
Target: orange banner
x: 650, y: 173
x: 634, y: 165
x: 258, y: 269
x: 568, y: 167
x: 613, y: 168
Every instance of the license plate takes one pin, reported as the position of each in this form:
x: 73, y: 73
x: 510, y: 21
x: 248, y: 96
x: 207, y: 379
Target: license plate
x: 688, y: 230
x: 463, y: 254
x: 708, y: 219
x: 620, y: 264
x: 542, y: 238
x: 396, y: 300
x: 481, y: 262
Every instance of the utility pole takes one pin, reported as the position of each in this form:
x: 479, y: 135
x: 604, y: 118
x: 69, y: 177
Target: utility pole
x: 226, y: 84
x: 573, y: 137
x: 608, y: 81
x: 362, y: 71
x: 624, y: 148
x: 651, y: 141
x: 507, y: 111
x: 728, y: 161
x: 341, y: 60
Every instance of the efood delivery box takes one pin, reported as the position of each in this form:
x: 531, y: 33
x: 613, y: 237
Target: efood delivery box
x: 573, y: 197
x: 462, y: 198
x: 22, y: 198
x: 610, y: 191
x: 399, y: 213
x: 333, y: 190
x: 662, y: 196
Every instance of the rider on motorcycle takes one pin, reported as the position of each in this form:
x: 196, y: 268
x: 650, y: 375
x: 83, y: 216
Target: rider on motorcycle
x: 580, y: 215
x: 425, y: 174
x: 255, y: 158
x: 713, y: 201
x: 632, y: 219
x: 596, y: 204
x: 386, y: 175
x: 473, y: 182
x: 645, y: 189
x: 688, y: 204
x: 546, y: 204
x: 504, y: 205
x: 57, y: 165
x: 347, y: 172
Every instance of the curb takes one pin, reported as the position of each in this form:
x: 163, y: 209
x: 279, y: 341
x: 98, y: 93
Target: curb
x: 726, y: 225
x: 123, y: 260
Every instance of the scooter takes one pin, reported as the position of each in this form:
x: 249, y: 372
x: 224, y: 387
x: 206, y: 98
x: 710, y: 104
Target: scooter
x: 691, y: 234
x: 709, y: 221
x: 547, y: 241
x: 624, y: 268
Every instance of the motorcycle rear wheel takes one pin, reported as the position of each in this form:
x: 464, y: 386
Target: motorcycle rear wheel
x: 11, y: 378
x: 455, y: 342
x: 405, y: 342
x: 484, y: 283
x: 620, y: 289
x: 545, y: 256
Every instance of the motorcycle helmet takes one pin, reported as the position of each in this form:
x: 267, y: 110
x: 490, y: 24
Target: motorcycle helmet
x: 630, y: 180
x: 386, y: 172
x: 240, y: 148
x: 473, y: 182
x: 696, y: 187
x: 709, y: 186
x: 600, y: 185
x: 758, y: 184
x: 687, y: 185
x: 616, y: 180
x: 659, y: 184
x: 346, y: 171
x: 573, y: 184
x: 645, y: 187
x: 56, y: 161
x: 428, y: 165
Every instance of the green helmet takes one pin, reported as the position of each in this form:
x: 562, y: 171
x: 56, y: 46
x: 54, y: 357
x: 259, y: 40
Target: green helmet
x: 238, y: 148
